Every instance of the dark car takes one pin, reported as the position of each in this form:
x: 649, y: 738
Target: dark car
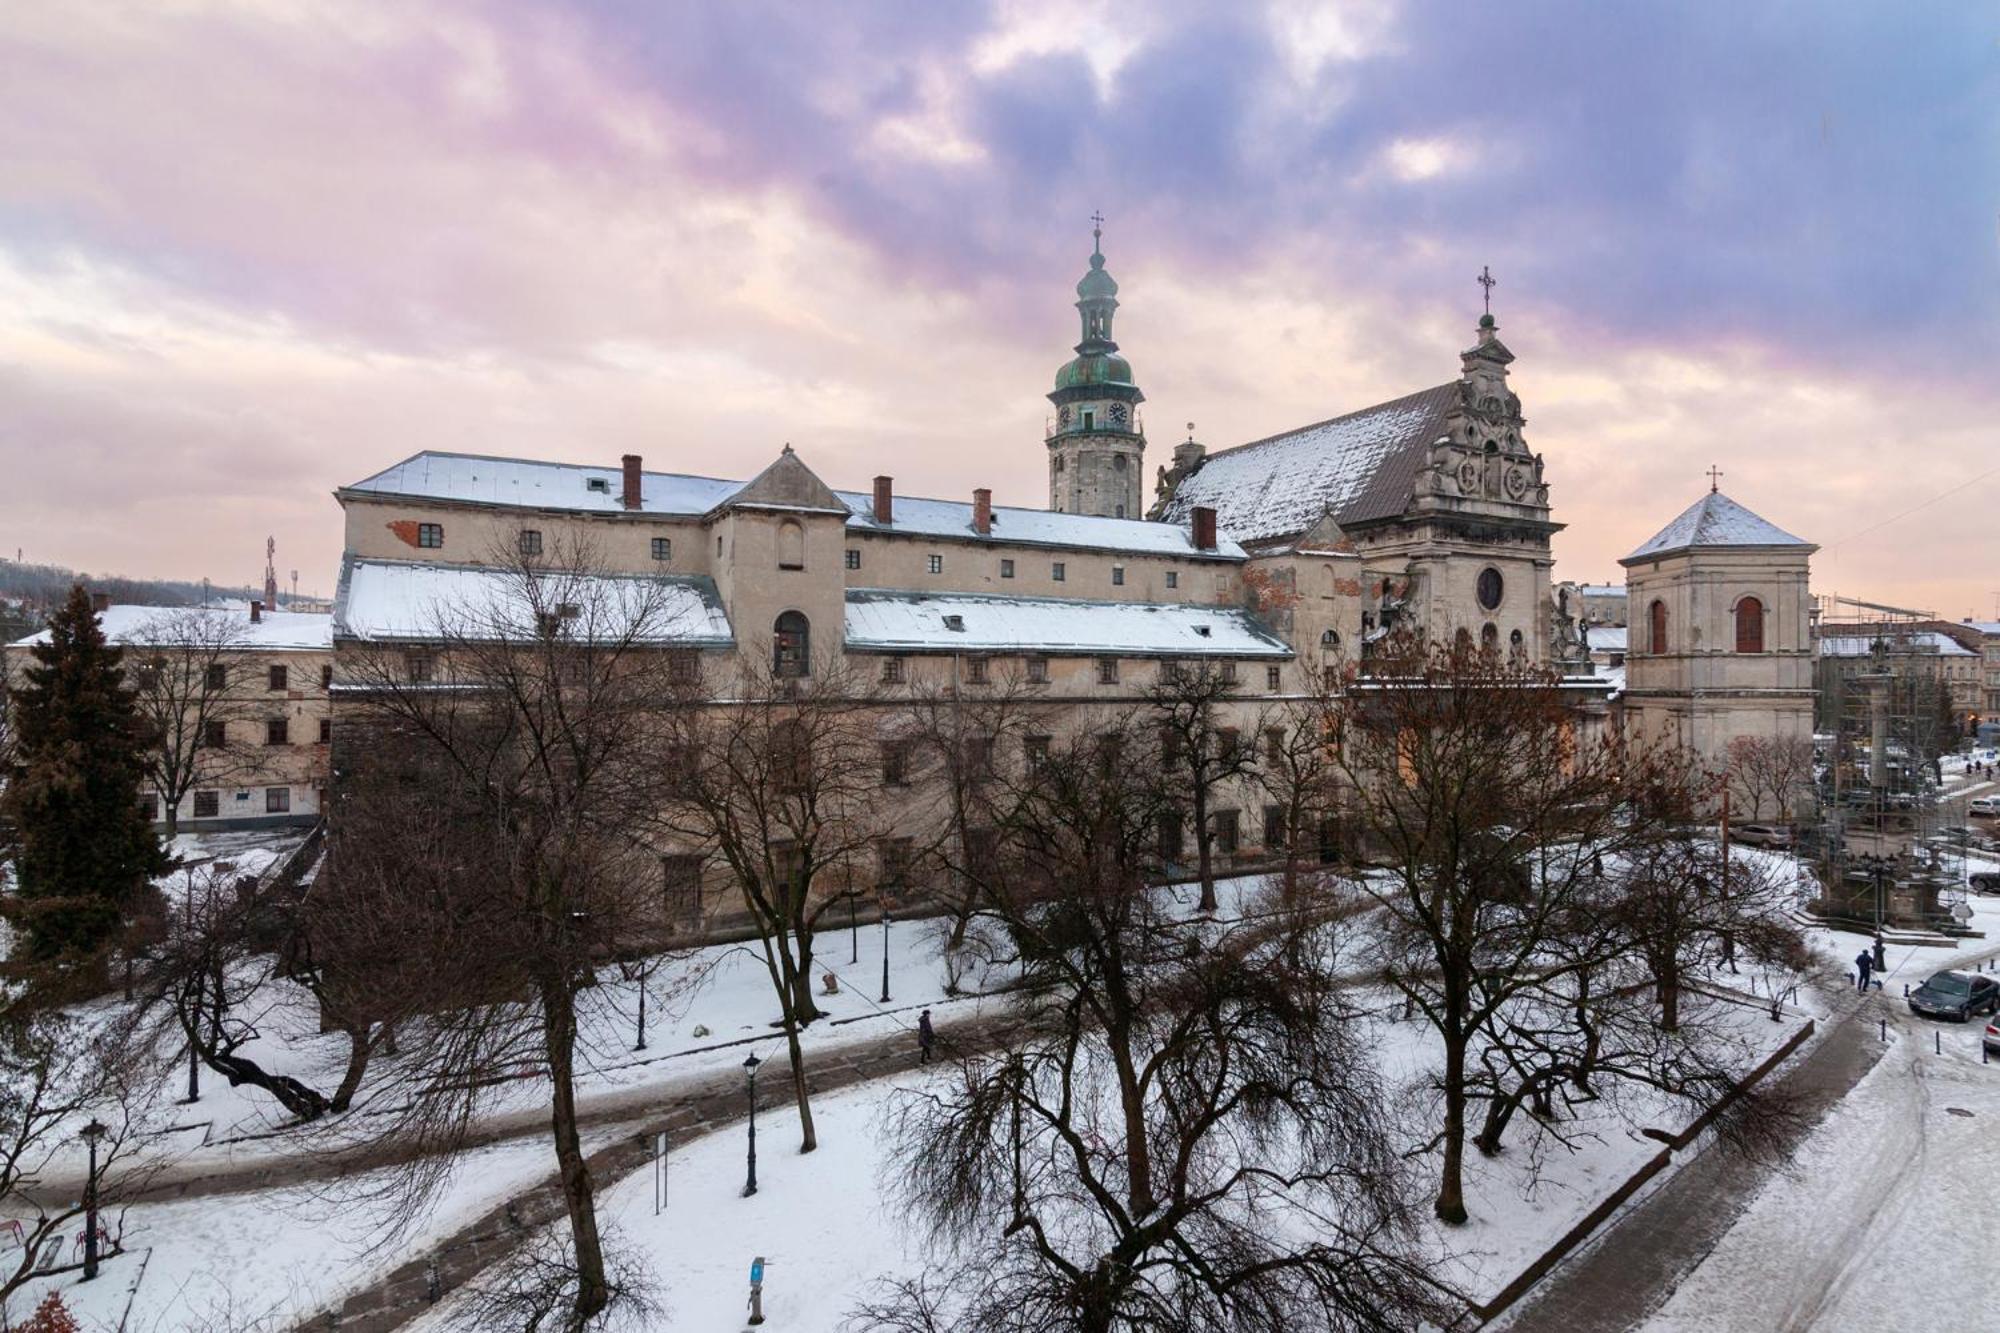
x: 1956, y: 995
x: 1984, y: 881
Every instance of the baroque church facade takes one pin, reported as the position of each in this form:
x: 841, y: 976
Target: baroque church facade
x: 1276, y: 558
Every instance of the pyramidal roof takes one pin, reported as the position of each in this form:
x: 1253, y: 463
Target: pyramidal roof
x: 1715, y: 520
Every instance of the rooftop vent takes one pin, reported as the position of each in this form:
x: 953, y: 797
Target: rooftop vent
x: 1201, y: 630
x: 598, y: 485
x: 955, y: 623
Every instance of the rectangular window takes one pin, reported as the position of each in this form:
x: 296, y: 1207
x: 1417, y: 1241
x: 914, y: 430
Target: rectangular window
x: 207, y: 804
x: 430, y: 535
x: 1038, y: 671
x: 218, y: 678
x: 1118, y: 576
x: 1227, y: 672
x: 149, y: 807
x: 277, y: 731
x: 896, y: 764
x: 1006, y: 569
x: 853, y: 558
x: 531, y: 541
x: 1274, y: 826
x: 1107, y: 671
x: 680, y: 889
x: 976, y: 671
x: 892, y: 671
x: 1273, y: 681
x: 896, y: 856
x: 1170, y: 836
x: 417, y: 665
x: 1057, y: 571
x: 214, y: 735
x: 280, y: 678
x: 1225, y: 832
x: 978, y: 757
x: 277, y: 800
x: 1274, y: 745
x: 935, y: 563
x: 1173, y: 578
x: 325, y: 730
x: 1229, y: 743
x: 1089, y: 419
x: 1037, y: 750
x: 684, y: 668
x: 326, y: 677
x: 663, y: 550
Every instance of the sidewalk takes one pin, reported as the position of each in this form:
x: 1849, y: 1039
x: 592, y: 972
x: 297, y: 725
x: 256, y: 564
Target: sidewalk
x: 1630, y: 1269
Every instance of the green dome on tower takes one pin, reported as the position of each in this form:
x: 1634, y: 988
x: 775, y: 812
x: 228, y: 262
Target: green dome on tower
x: 1094, y: 368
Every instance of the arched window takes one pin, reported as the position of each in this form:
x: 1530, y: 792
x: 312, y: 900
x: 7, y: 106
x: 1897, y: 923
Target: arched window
x: 1329, y: 641
x: 1461, y: 642
x: 791, y: 545
x: 791, y: 645
x: 1749, y: 626
x: 1489, y: 638
x: 1656, y: 618
x: 1517, y: 648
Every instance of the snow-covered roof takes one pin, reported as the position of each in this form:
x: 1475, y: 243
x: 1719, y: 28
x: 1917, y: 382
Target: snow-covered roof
x: 1987, y: 627
x: 1715, y: 520
x: 393, y: 600
x: 1615, y: 676
x: 1922, y: 641
x: 1601, y: 589
x: 884, y: 620
x: 1360, y: 466
x: 476, y: 479
x: 228, y: 627
x: 1035, y: 527
x: 1605, y: 638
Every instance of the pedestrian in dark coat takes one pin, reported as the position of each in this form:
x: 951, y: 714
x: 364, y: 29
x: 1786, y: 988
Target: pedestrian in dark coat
x: 926, y: 1037
x: 1864, y: 963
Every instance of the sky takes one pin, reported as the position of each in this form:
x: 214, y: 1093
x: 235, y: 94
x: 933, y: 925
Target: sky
x: 251, y: 250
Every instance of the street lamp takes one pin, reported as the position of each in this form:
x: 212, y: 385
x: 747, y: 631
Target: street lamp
x: 92, y: 1132
x: 885, y: 954
x: 853, y: 929
x: 750, y: 1080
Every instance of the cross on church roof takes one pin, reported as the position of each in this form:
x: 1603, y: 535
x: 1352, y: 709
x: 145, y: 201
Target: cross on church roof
x: 1714, y: 479
x: 1097, y: 224
x: 1489, y: 282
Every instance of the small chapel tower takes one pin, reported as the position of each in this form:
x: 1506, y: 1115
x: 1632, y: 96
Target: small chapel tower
x: 1097, y: 446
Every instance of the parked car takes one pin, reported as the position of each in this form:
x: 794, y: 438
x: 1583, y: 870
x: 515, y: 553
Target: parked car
x: 1762, y: 835
x: 1984, y: 881
x: 1991, y: 1041
x: 1956, y: 995
x: 1988, y: 806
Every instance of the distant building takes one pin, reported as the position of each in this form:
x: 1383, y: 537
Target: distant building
x: 1603, y: 603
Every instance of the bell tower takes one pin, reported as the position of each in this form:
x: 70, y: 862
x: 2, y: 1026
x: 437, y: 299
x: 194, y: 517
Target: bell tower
x: 1097, y: 446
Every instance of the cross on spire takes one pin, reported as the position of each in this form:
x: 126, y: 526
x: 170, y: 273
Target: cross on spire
x: 1714, y: 479
x: 1097, y: 227
x: 1489, y: 282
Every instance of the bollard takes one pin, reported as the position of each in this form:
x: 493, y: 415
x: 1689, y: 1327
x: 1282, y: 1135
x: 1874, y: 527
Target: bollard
x: 1906, y: 990
x: 1885, y: 1029
x: 757, y: 1290
x: 1937, y: 1043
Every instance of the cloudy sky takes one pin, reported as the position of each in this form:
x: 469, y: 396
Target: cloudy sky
x: 253, y: 249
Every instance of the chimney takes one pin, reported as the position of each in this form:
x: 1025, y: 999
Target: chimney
x: 1204, y: 528
x: 631, y: 481
x: 256, y: 613
x: 982, y: 511
x: 100, y: 602
x: 885, y: 500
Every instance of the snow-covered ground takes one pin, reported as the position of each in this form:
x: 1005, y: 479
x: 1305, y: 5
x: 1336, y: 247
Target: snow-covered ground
x: 1884, y: 1219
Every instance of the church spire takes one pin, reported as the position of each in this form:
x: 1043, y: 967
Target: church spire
x: 1096, y: 443
x: 1097, y: 295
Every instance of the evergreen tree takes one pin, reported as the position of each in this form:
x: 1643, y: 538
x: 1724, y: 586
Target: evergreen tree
x: 84, y: 849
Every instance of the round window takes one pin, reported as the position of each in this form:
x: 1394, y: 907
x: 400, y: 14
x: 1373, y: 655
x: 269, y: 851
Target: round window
x: 1490, y: 588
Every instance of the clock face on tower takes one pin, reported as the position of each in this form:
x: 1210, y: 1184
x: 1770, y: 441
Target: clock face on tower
x: 1118, y: 413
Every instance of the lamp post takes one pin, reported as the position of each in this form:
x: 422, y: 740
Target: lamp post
x: 885, y: 955
x: 750, y: 1081
x: 853, y: 930
x: 92, y: 1132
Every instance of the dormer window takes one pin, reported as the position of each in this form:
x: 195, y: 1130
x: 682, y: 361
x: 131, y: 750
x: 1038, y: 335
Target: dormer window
x: 598, y: 485
x: 955, y: 623
x: 1202, y: 630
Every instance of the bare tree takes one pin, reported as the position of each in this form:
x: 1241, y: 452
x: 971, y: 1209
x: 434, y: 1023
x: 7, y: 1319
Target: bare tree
x: 1770, y: 773
x: 525, y: 732
x: 55, y: 1076
x: 1491, y: 816
x: 1186, y: 1132
x: 191, y: 672
x: 782, y: 782
x: 1202, y: 747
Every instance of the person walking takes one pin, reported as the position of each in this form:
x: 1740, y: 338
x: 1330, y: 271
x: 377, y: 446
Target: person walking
x: 926, y: 1037
x: 1864, y: 963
